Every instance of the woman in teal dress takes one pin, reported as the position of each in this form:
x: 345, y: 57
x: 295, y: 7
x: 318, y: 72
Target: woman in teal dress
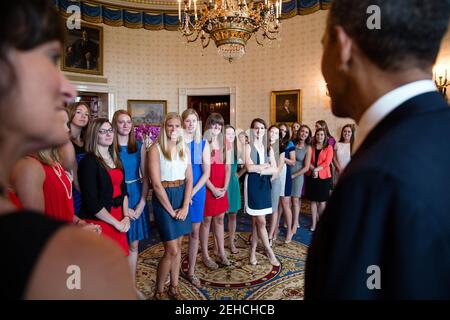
x: 234, y: 191
x: 132, y: 154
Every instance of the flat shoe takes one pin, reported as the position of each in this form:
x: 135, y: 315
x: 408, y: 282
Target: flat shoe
x: 210, y: 264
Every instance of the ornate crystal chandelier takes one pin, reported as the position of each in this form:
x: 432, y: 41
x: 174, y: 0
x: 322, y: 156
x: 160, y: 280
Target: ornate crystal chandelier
x: 229, y: 23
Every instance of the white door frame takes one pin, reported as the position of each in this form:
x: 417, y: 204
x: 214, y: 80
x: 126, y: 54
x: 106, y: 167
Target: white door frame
x: 100, y: 88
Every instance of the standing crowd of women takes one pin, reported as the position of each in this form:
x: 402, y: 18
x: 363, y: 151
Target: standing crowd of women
x: 100, y: 182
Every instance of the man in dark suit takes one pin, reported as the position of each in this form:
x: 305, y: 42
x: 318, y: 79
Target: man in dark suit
x: 285, y: 113
x: 385, y: 233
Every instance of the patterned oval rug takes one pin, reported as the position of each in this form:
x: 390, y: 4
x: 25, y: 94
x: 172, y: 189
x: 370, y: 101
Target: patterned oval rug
x: 241, y: 280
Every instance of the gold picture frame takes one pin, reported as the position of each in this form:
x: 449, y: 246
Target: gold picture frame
x: 286, y: 106
x: 150, y: 112
x: 83, y: 50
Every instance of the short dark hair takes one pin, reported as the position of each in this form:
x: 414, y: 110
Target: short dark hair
x: 25, y: 24
x: 410, y: 35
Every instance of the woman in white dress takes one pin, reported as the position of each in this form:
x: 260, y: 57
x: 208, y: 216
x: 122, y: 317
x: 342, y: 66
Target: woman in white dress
x: 342, y: 154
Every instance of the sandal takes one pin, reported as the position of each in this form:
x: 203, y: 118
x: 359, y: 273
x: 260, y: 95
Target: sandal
x: 194, y: 280
x: 210, y: 264
x: 159, y: 295
x: 174, y: 292
x: 224, y: 261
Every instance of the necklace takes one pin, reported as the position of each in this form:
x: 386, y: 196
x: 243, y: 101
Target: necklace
x: 59, y: 172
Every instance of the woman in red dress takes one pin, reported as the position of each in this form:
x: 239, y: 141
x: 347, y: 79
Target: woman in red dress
x: 102, y: 184
x: 40, y: 183
x: 216, y: 203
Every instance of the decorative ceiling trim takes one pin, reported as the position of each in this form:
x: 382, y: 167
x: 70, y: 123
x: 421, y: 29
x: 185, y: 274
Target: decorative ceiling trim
x: 159, y: 15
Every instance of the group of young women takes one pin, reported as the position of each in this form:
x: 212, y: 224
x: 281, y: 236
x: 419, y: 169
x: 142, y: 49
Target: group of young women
x: 100, y: 181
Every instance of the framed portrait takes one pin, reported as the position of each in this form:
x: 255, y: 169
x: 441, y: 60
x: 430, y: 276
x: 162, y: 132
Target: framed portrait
x: 150, y: 112
x: 286, y: 106
x: 83, y: 50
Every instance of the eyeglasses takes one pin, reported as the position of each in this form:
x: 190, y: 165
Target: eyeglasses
x: 105, y: 131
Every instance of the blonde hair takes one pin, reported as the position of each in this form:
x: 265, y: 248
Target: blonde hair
x: 48, y: 156
x: 132, y: 145
x: 91, y: 142
x: 164, y: 141
x: 198, y: 130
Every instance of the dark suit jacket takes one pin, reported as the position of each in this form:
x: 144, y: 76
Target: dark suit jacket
x: 96, y: 187
x: 391, y: 208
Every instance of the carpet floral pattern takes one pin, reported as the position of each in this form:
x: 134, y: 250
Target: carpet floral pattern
x: 241, y: 280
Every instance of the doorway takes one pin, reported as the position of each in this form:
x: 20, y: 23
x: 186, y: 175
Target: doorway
x: 205, y: 105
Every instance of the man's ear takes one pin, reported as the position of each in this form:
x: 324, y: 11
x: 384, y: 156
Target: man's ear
x: 344, y: 47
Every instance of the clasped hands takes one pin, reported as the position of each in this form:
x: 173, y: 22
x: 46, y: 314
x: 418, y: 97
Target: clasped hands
x: 123, y: 225
x: 180, y: 214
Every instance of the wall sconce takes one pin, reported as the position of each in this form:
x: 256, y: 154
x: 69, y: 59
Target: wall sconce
x: 442, y: 83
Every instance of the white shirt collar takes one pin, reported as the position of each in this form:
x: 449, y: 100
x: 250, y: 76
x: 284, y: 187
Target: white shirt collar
x: 386, y: 104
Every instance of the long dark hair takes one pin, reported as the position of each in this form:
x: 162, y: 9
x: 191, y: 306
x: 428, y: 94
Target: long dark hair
x: 234, y: 153
x: 325, y: 142
x: 216, y: 118
x: 323, y: 124
x: 308, y: 140
x: 352, y: 139
x: 276, y: 151
x: 25, y: 25
x: 284, y: 141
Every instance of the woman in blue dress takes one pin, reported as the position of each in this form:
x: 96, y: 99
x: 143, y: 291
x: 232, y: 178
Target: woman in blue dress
x: 200, y: 160
x: 170, y: 171
x: 132, y: 154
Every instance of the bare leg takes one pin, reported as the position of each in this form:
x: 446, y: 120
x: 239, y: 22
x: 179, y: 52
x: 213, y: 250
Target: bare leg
x: 204, y: 235
x: 314, y: 215
x: 165, y: 264
x: 193, y: 247
x: 132, y: 258
x: 295, y: 214
x: 254, y: 242
x: 285, y: 202
x: 175, y: 271
x: 219, y: 235
x: 274, y: 220
x: 321, y: 208
x: 262, y: 234
x: 232, y: 231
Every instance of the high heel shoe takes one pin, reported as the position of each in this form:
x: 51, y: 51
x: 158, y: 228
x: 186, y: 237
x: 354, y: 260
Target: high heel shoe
x: 274, y: 261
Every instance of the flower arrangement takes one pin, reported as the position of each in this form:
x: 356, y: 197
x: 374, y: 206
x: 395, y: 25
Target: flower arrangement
x: 146, y: 134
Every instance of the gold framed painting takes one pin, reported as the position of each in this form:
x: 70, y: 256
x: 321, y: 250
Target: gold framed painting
x: 83, y: 50
x: 286, y: 106
x: 150, y: 112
